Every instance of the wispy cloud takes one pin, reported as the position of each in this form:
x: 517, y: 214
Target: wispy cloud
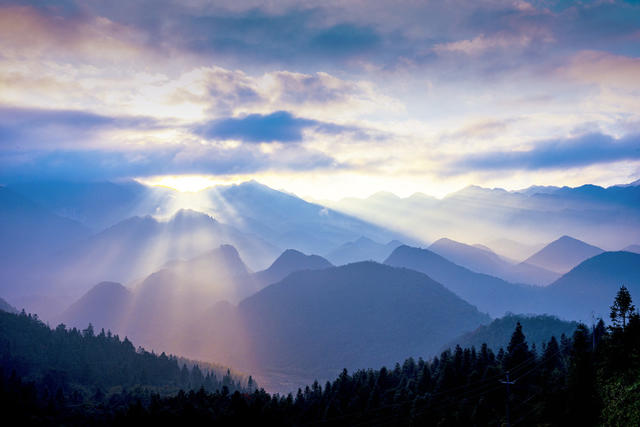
x: 584, y: 150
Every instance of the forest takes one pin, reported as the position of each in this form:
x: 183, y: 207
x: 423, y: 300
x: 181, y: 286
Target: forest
x: 75, y: 377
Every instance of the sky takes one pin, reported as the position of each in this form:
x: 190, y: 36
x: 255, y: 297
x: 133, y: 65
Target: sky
x: 323, y: 99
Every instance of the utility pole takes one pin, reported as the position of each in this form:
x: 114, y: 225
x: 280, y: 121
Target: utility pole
x: 508, y: 382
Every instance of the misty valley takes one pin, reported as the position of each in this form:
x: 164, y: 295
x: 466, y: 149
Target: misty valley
x: 126, y: 303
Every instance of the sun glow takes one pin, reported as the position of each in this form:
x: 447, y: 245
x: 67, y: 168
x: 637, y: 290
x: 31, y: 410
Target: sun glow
x: 186, y: 183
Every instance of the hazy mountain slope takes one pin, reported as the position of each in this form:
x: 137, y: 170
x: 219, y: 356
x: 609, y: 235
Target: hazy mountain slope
x: 490, y: 294
x: 633, y: 248
x: 288, y: 262
x: 6, y: 307
x: 360, y: 315
x: 134, y: 248
x: 177, y: 298
x: 29, y: 230
x: 563, y: 254
x: 538, y: 330
x: 513, y: 250
x: 28, y: 234
x: 586, y: 290
x: 609, y: 216
x: 168, y: 299
x: 89, y: 360
x: 363, y: 249
x: 286, y: 220
x: 97, y: 205
x: 481, y: 260
x: 104, y: 306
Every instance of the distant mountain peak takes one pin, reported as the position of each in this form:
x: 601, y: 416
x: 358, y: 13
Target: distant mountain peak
x: 190, y: 214
x: 292, y: 257
x: 364, y: 240
x: 289, y: 261
x: 563, y: 254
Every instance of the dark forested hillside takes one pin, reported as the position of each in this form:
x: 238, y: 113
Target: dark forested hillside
x: 592, y: 378
x: 538, y: 328
x: 82, y: 362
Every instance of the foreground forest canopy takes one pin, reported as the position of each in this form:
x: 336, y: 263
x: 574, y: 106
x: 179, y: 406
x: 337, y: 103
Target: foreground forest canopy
x: 590, y: 378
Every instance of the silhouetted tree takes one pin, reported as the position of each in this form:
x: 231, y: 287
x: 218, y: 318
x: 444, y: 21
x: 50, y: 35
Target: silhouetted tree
x: 622, y: 308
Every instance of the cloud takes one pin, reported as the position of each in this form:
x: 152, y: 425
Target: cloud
x: 481, y: 44
x: 280, y: 126
x: 51, y: 128
x: 605, y: 69
x: 181, y: 159
x: 585, y: 150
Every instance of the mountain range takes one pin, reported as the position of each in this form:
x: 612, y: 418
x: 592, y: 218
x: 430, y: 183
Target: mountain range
x: 362, y: 249
x: 609, y: 217
x: 490, y: 294
x: 481, y: 259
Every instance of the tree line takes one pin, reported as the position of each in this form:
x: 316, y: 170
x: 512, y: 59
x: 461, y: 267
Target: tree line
x: 590, y: 378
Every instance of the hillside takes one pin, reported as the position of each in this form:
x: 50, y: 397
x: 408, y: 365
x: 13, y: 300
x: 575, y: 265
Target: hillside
x: 86, y: 361
x: 538, y: 329
x: 584, y: 292
x: 356, y: 316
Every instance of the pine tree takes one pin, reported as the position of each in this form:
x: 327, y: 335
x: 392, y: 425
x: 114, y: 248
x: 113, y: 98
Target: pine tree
x: 622, y: 308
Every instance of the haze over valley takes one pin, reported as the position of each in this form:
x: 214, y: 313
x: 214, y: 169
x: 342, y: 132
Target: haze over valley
x: 262, y: 304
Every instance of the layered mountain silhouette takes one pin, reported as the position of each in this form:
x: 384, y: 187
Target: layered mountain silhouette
x: 563, y: 254
x: 309, y: 325
x: 609, y: 216
x: 286, y: 220
x: 283, y: 219
x: 136, y: 247
x: 363, y: 249
x: 161, y: 306
x: 483, y: 260
x: 490, y: 294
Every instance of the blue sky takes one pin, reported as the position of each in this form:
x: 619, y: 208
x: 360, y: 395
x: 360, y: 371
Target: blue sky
x: 325, y: 99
